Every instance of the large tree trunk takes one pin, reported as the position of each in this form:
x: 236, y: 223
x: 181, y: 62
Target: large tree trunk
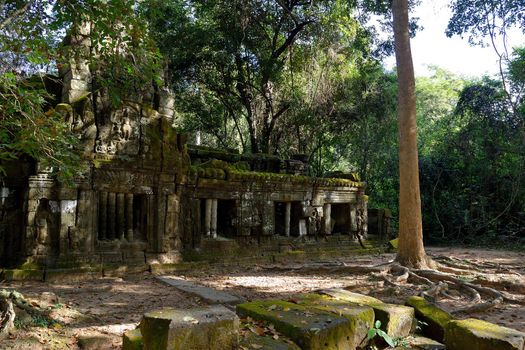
x: 411, y: 252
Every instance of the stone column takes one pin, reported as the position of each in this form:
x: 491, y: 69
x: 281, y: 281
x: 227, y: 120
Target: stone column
x: 287, y: 218
x: 302, y: 228
x: 102, y: 215
x: 112, y: 212
x: 207, y: 216
x: 353, y: 218
x: 327, y: 212
x: 213, y: 223
x: 121, y: 215
x: 129, y: 217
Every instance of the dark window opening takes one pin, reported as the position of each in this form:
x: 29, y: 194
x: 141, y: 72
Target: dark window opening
x: 140, y: 217
x: 226, y: 218
x: 340, y: 218
x: 280, y: 218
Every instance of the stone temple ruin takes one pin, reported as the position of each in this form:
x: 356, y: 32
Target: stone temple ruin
x: 148, y: 197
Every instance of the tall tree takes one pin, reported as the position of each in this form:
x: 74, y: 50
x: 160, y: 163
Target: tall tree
x: 411, y: 250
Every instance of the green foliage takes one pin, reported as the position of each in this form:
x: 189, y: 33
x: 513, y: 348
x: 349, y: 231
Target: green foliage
x: 32, y: 40
x: 482, y: 20
x: 376, y: 332
x: 260, y: 75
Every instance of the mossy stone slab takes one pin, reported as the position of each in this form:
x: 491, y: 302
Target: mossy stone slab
x: 23, y: 275
x: 132, y: 340
x: 352, y: 297
x: 361, y: 317
x: 396, y: 320
x: 310, y: 328
x: 434, y: 318
x: 213, y: 328
x: 473, y: 334
x: 253, y: 341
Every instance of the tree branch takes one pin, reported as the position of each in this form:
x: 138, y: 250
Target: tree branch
x: 290, y: 39
x: 14, y: 15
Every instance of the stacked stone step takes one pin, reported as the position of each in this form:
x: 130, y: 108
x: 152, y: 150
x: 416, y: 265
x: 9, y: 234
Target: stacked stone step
x: 334, y: 319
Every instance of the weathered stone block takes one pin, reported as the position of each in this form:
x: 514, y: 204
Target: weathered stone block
x: 396, y: 320
x: 310, y: 328
x: 95, y: 343
x: 422, y: 343
x: 361, y: 317
x: 266, y: 343
x: 433, y: 317
x: 214, y: 328
x: 132, y: 340
x: 475, y: 334
x: 22, y: 275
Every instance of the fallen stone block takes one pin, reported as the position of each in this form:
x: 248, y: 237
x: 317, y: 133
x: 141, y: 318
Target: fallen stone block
x: 213, y: 328
x: 396, y: 320
x: 95, y: 343
x: 254, y: 341
x: 361, y: 317
x: 310, y: 328
x: 132, y: 340
x: 475, y: 334
x: 434, y: 318
x: 211, y: 295
x: 422, y: 343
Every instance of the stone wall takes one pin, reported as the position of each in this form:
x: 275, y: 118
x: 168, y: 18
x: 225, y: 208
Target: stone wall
x: 139, y: 200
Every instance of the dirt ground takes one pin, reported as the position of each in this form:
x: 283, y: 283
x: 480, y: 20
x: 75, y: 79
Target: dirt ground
x: 106, y: 307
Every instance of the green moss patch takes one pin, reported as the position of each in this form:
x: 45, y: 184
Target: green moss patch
x: 132, y: 340
x: 433, y: 317
x: 396, y: 320
x: 361, y: 317
x: 310, y: 328
x: 475, y: 334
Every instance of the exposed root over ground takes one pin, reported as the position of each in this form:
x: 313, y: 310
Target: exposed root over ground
x: 106, y: 307
x: 485, y: 287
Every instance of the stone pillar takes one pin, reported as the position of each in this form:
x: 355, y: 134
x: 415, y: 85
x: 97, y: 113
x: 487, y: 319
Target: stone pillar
x: 353, y: 218
x: 327, y: 211
x: 302, y: 228
x: 129, y: 217
x: 112, y: 212
x: 68, y: 231
x: 207, y: 216
x: 287, y: 218
x: 102, y: 215
x: 121, y: 215
x: 213, y: 223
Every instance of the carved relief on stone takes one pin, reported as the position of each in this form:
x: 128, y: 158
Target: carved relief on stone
x: 123, y: 179
x: 100, y: 147
x: 42, y: 225
x: 123, y: 131
x: 112, y: 147
x: 126, y: 129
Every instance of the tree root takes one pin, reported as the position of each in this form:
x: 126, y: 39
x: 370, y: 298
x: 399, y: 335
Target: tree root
x: 10, y: 301
x: 450, y: 273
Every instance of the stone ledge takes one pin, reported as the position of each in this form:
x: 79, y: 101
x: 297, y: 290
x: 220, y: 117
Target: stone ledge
x: 396, y: 320
x: 435, y: 318
x: 310, y: 328
x: 132, y: 340
x: 473, y: 334
x: 213, y: 328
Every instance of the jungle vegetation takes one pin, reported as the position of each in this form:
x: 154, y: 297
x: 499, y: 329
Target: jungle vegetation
x: 292, y: 76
